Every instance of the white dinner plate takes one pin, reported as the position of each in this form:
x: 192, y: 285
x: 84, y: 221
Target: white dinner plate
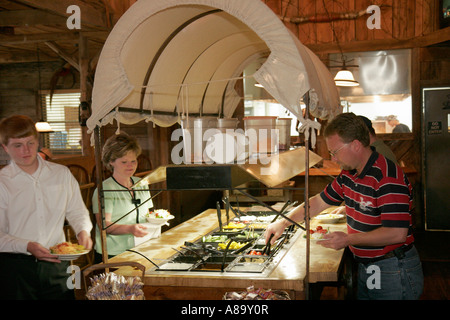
x: 72, y: 256
x: 159, y: 221
x: 329, y: 218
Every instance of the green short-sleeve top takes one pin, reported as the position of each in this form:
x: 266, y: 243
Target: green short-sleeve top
x: 119, y: 203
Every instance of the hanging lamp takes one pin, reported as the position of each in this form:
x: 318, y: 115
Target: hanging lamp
x: 344, y: 78
x: 41, y: 126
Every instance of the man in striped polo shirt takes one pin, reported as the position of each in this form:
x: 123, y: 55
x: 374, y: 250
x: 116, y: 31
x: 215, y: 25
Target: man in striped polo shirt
x: 378, y: 201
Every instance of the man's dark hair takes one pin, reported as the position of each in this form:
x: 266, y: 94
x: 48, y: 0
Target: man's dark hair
x: 348, y: 127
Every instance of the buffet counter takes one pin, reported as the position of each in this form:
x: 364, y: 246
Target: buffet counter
x: 288, y: 272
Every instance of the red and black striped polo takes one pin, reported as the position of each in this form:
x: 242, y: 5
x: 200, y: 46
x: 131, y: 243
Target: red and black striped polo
x: 381, y: 196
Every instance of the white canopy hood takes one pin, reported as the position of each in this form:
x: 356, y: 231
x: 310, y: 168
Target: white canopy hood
x: 165, y: 60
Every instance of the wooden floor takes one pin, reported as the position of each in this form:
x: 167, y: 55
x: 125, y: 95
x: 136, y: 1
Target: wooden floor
x: 434, y: 251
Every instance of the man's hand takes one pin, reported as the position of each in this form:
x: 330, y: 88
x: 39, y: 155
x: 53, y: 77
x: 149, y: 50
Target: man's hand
x: 335, y: 240
x: 41, y: 253
x: 339, y: 210
x: 84, y: 238
x: 276, y: 228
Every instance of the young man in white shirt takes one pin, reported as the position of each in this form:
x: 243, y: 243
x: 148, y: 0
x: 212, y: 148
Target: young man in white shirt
x: 36, y: 197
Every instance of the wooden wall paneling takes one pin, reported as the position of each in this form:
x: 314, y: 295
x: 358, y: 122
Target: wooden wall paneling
x: 274, y: 5
x: 419, y: 18
x: 307, y: 31
x: 430, y: 20
x: 345, y: 29
x: 403, y: 19
x: 324, y: 30
x: 290, y: 9
x: 399, y: 19
x: 386, y: 20
x: 362, y: 32
x: 435, y: 63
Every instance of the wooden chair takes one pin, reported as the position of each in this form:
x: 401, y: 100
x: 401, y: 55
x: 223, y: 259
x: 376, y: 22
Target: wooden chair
x: 87, y: 190
x: 80, y: 173
x: 106, y: 174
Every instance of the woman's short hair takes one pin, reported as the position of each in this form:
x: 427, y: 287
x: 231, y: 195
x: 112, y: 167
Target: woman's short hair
x: 118, y: 146
x: 16, y: 127
x: 348, y: 127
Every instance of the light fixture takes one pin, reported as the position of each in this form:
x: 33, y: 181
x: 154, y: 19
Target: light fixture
x: 344, y: 78
x: 43, y: 127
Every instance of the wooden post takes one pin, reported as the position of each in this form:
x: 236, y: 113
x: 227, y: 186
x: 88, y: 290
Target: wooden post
x: 307, y: 222
x: 100, y: 196
x: 85, y: 91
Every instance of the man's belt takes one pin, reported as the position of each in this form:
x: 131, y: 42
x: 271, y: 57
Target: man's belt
x: 399, y: 252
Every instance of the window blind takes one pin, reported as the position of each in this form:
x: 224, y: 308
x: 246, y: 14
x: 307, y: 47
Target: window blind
x: 62, y: 115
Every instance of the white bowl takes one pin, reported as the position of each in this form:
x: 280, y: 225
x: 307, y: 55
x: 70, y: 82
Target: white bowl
x: 329, y: 217
x: 159, y: 221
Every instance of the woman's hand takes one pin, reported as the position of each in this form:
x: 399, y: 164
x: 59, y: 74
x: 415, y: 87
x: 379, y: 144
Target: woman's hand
x: 138, y: 230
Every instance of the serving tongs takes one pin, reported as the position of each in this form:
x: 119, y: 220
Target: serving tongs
x: 236, y: 212
x: 227, y: 209
x: 280, y: 244
x: 194, y: 248
x: 272, y: 209
x: 245, y: 247
x: 285, y: 208
x: 266, y: 249
x: 219, y: 216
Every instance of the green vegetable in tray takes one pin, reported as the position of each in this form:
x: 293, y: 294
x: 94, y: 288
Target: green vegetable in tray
x: 211, y: 238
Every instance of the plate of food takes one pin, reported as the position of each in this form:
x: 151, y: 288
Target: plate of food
x: 159, y: 216
x: 318, y: 233
x: 67, y: 251
x: 329, y: 217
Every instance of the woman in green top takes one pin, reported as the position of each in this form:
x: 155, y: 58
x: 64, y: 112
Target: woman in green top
x: 120, y: 157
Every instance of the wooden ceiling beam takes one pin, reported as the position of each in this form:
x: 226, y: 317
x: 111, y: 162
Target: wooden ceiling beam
x: 29, y: 18
x: 90, y: 17
x: 36, y: 38
x: 67, y: 57
x: 433, y: 38
x: 44, y: 37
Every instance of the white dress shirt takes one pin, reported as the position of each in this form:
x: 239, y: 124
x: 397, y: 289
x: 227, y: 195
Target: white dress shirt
x: 34, y: 207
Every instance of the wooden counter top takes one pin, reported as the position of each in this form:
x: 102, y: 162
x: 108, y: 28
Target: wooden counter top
x: 288, y: 275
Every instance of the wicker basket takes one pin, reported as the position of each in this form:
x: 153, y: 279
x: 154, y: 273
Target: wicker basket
x: 109, y: 286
